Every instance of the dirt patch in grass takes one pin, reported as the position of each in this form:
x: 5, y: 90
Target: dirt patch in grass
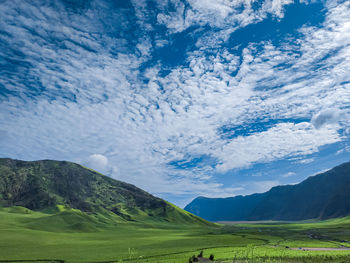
x: 320, y: 248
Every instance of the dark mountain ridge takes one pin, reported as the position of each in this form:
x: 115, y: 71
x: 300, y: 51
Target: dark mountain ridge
x: 44, y: 185
x: 323, y: 196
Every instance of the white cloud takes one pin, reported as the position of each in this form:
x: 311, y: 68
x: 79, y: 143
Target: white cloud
x: 289, y: 174
x: 329, y: 116
x: 225, y: 16
x: 93, y: 97
x: 305, y: 161
x: 144, y: 47
x: 97, y: 162
x: 279, y: 142
x: 276, y: 7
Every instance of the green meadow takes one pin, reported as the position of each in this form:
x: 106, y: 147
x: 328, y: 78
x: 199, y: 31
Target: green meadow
x: 69, y: 235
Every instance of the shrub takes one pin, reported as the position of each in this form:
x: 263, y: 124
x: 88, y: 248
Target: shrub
x: 211, y: 257
x: 194, y: 258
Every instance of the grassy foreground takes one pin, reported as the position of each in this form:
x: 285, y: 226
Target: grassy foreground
x: 73, y: 236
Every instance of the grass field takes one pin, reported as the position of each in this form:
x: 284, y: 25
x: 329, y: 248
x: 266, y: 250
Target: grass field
x: 73, y: 236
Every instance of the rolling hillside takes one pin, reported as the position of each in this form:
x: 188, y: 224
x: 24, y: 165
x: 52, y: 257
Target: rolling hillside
x: 73, y: 192
x: 326, y: 195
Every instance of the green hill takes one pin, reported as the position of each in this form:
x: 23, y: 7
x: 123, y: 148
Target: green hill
x: 80, y: 198
x: 323, y: 196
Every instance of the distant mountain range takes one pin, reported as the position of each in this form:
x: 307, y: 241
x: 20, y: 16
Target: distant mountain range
x: 50, y: 186
x: 326, y: 195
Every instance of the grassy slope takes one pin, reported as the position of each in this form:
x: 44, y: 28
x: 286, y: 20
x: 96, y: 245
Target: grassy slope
x: 74, y: 236
x: 35, y: 235
x: 42, y: 185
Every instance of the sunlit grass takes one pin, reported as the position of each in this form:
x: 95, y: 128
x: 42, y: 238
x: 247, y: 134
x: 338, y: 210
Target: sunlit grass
x: 74, y: 236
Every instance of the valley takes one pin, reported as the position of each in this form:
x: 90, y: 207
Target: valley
x: 52, y: 211
x: 75, y: 236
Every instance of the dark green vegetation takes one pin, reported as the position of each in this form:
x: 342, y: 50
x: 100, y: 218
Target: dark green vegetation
x: 46, y: 185
x: 323, y: 196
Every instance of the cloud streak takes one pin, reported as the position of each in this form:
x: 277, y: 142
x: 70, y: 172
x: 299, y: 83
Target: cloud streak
x: 75, y: 83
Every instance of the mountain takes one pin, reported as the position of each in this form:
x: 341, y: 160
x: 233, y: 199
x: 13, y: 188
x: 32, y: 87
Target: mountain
x: 58, y: 186
x: 326, y: 195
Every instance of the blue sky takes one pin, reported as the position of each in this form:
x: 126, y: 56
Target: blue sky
x: 181, y: 97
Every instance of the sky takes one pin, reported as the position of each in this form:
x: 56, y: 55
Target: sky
x: 182, y: 98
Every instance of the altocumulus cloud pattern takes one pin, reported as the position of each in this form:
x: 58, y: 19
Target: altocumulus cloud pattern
x: 180, y: 97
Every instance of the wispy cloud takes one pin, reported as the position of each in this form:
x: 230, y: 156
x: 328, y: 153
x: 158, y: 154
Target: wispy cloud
x: 220, y: 14
x: 76, y: 83
x: 289, y: 174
